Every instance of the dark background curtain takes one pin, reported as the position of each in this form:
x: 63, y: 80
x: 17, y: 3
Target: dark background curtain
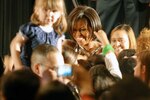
x: 13, y: 13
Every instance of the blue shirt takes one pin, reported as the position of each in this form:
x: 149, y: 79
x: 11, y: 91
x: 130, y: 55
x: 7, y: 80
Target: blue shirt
x: 35, y: 36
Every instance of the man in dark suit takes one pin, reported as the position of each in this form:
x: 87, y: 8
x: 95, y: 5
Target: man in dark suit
x: 132, y: 12
x: 70, y: 4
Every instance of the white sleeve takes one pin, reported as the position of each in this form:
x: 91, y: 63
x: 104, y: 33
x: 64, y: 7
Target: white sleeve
x: 112, y: 64
x: 59, y: 43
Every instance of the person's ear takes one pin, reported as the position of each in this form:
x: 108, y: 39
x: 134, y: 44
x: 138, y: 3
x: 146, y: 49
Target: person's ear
x: 36, y: 69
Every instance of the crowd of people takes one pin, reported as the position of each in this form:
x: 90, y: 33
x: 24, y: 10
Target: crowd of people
x: 44, y: 64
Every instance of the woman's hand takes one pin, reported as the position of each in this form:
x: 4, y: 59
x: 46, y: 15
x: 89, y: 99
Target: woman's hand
x: 102, y: 37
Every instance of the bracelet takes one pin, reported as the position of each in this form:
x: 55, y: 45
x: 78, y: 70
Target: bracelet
x: 106, y: 49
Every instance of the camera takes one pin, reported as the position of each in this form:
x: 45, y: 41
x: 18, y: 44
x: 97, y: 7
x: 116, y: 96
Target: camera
x: 64, y: 70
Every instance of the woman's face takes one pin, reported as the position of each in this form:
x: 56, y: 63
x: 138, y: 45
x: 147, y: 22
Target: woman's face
x: 81, y: 32
x: 120, y: 41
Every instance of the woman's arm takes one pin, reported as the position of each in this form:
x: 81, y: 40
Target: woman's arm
x: 110, y: 58
x: 15, y: 49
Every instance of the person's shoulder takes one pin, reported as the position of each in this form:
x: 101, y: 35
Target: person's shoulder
x: 28, y: 27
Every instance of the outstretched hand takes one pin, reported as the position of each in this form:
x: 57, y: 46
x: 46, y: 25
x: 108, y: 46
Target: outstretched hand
x: 102, y: 37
